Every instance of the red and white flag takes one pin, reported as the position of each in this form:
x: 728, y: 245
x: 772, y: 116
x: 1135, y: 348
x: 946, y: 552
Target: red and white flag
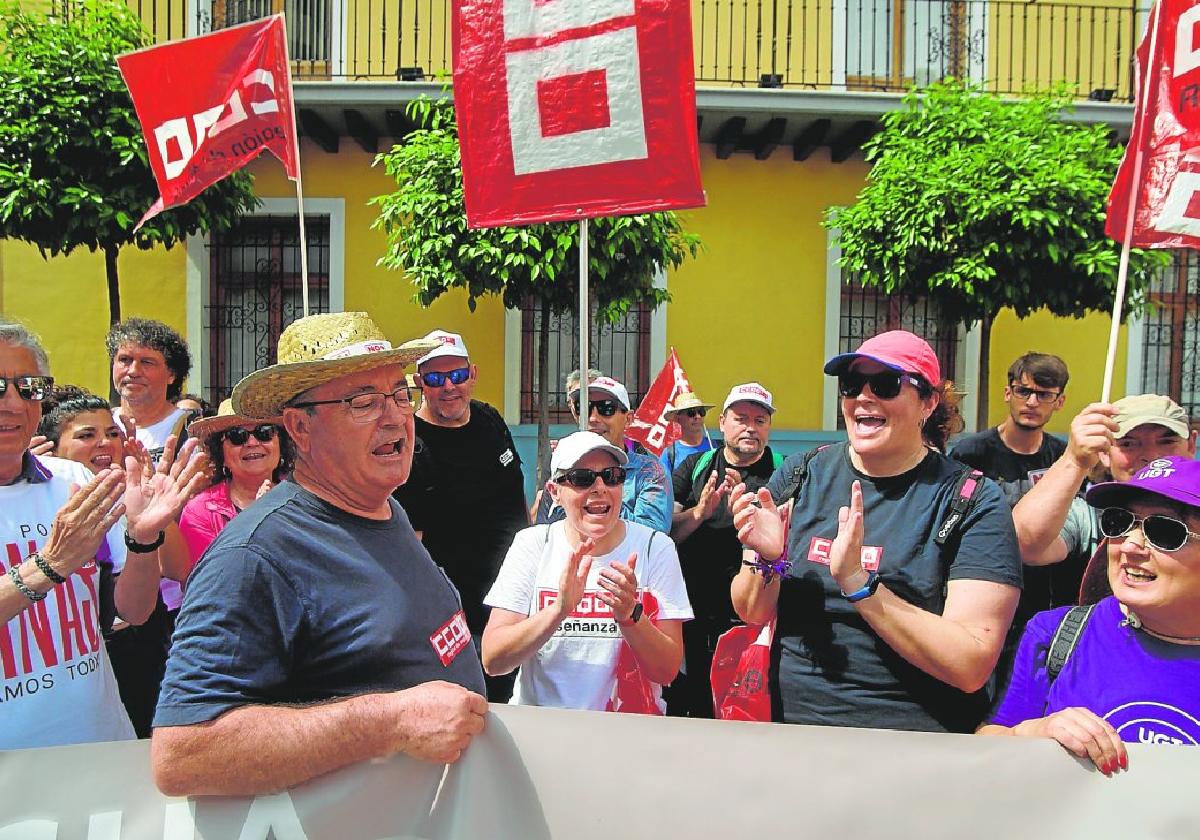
x: 210, y: 105
x: 1165, y: 136
x: 649, y: 425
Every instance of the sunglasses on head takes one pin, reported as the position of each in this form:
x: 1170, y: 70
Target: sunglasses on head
x: 605, y: 408
x: 437, y: 378
x: 582, y: 477
x: 886, y: 384
x: 238, y: 435
x: 1163, y: 532
x: 32, y: 388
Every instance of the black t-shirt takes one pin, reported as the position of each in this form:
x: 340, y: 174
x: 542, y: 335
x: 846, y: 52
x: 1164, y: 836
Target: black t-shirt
x: 466, y: 494
x: 833, y: 669
x: 711, y: 555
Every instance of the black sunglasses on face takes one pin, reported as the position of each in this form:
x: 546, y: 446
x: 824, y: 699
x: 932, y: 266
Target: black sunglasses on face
x: 437, y: 378
x: 32, y: 388
x: 605, y: 408
x: 886, y: 384
x: 1163, y: 532
x: 238, y: 435
x: 694, y: 412
x: 583, y: 478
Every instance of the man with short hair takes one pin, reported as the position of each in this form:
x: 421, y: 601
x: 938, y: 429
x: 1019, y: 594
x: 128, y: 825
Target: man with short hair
x: 465, y: 496
x: 63, y: 531
x: 647, y: 496
x: 688, y: 410
x: 1017, y: 453
x: 702, y: 527
x: 317, y: 631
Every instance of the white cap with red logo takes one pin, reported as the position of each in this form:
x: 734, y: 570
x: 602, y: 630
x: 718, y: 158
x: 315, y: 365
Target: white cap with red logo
x: 613, y: 388
x: 750, y: 392
x: 450, y: 344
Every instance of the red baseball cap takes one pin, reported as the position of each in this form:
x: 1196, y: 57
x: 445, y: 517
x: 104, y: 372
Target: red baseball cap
x: 899, y: 350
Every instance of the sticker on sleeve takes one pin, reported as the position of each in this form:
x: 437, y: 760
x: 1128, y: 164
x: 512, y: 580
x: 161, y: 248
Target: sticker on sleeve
x: 451, y: 638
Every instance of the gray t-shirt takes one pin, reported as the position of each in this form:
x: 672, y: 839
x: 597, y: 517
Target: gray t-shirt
x: 1081, y: 531
x: 298, y: 601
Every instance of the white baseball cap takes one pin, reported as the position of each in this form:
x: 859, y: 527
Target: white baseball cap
x: 450, y: 344
x: 573, y: 447
x: 613, y: 388
x: 750, y: 392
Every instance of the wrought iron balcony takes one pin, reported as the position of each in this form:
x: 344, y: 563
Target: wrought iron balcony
x: 887, y: 45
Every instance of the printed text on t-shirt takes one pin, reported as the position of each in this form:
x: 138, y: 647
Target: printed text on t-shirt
x: 449, y: 640
x: 819, y: 548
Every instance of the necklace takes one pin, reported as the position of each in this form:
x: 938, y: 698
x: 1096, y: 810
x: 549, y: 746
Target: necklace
x: 1132, y: 620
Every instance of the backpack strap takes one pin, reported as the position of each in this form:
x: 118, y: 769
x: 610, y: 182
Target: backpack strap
x: 1066, y: 637
x: 964, y: 497
x: 799, y: 473
x: 702, y: 463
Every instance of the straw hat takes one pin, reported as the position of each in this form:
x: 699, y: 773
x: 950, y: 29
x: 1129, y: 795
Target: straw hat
x: 315, y: 350
x: 686, y: 400
x: 225, y: 418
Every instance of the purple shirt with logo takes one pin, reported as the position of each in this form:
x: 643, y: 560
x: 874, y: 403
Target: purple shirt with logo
x: 1148, y: 689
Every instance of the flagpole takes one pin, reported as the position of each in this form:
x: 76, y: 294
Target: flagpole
x: 287, y: 59
x: 584, y: 312
x: 1135, y: 186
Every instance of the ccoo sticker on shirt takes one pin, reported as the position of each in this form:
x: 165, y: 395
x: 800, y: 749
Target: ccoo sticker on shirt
x: 451, y: 638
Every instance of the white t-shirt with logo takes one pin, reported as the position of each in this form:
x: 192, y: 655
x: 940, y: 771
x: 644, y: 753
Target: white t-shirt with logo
x: 576, y: 668
x: 56, y: 684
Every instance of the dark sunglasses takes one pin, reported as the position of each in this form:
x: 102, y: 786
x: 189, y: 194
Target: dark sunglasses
x: 238, y: 435
x: 605, y: 408
x: 32, y: 388
x: 583, y: 478
x: 886, y: 384
x: 437, y: 378
x: 1163, y: 532
x: 694, y: 412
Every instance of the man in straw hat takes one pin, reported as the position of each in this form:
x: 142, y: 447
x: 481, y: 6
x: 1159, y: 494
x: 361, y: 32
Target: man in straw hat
x: 316, y: 630
x: 688, y: 411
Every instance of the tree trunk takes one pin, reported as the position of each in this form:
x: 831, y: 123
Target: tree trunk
x: 985, y: 365
x: 114, y: 284
x: 543, y: 396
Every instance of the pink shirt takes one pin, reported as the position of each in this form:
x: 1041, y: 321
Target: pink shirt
x: 204, y: 517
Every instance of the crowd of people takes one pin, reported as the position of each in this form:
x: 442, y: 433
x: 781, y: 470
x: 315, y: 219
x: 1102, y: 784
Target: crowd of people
x: 340, y: 562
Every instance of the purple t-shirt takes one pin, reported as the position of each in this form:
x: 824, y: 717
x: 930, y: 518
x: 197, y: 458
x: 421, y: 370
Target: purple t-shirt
x: 1148, y: 689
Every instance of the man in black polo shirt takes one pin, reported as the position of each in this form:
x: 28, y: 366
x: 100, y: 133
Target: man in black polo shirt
x: 466, y: 495
x: 702, y: 527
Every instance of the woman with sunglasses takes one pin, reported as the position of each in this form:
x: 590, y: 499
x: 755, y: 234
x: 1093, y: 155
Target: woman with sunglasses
x: 895, y: 578
x: 1132, y: 673
x: 248, y: 458
x: 590, y: 607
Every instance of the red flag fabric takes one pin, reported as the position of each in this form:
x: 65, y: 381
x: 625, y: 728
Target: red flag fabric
x: 648, y: 425
x: 575, y: 109
x: 210, y: 105
x: 1166, y: 128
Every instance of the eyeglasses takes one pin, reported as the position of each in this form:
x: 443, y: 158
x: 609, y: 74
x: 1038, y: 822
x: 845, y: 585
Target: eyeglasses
x: 437, y: 378
x: 32, y: 388
x: 238, y: 435
x: 886, y: 384
x: 1163, y: 532
x: 364, y: 408
x: 582, y: 478
x: 694, y: 412
x: 1023, y: 394
x: 605, y: 408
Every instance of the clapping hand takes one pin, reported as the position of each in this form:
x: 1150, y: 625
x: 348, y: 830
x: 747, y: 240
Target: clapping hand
x: 574, y: 577
x: 620, y: 588
x: 760, y: 524
x: 845, y: 555
x: 155, y: 495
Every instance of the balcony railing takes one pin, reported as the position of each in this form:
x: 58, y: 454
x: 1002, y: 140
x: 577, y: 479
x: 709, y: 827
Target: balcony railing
x: 1009, y: 46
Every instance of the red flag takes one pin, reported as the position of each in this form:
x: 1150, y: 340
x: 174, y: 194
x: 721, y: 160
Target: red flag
x: 210, y: 105
x: 648, y: 425
x: 1166, y: 132
x: 575, y: 108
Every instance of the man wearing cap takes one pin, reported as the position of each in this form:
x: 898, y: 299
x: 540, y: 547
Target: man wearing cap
x: 1054, y: 525
x: 647, y: 498
x: 466, y: 494
x: 316, y: 631
x: 688, y: 411
x: 702, y: 526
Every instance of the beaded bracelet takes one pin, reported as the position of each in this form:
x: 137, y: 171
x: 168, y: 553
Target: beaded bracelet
x: 767, y: 568
x: 14, y: 572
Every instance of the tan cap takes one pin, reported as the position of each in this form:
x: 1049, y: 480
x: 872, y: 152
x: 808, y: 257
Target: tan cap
x: 1144, y: 409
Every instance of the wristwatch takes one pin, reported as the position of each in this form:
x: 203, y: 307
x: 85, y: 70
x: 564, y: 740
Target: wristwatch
x: 635, y: 616
x: 868, y: 589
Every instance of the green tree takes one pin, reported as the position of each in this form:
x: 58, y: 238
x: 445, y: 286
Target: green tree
x: 74, y: 169
x: 428, y: 239
x: 982, y: 203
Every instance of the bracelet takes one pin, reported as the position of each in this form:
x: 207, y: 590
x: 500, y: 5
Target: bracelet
x: 44, y: 566
x: 144, y: 548
x: 767, y: 568
x: 14, y: 572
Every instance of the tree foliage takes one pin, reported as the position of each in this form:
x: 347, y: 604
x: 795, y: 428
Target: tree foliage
x: 74, y: 169
x: 984, y: 203
x: 428, y: 237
